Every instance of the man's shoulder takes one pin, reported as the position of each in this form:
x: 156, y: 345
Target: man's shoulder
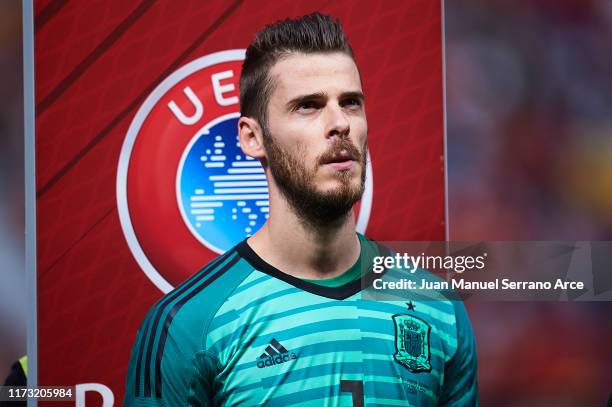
x: 198, y: 298
x: 172, y: 336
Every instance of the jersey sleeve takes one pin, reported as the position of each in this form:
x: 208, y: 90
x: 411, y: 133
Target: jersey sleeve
x: 460, y: 386
x: 170, y: 364
x: 181, y: 375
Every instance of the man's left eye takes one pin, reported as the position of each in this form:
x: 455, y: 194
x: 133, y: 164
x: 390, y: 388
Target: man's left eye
x: 352, y: 103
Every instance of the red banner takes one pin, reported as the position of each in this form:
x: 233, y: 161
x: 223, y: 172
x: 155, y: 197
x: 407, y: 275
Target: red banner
x: 123, y: 92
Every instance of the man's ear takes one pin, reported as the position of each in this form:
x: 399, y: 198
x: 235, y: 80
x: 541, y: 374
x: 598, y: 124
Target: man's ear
x: 250, y: 137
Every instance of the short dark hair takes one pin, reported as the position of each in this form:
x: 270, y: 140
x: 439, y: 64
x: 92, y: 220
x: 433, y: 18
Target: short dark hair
x: 313, y: 33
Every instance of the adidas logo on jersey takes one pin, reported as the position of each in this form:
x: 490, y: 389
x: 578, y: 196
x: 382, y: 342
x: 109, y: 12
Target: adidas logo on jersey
x: 275, y: 354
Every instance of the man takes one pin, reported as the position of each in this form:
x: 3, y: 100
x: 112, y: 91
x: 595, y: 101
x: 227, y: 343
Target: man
x: 280, y: 319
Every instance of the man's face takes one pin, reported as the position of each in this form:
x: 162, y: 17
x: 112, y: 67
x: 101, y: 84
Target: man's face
x: 316, y: 134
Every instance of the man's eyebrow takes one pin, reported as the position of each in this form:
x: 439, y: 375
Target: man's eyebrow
x: 306, y: 98
x: 322, y: 95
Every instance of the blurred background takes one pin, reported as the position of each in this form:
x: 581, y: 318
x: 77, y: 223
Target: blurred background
x: 529, y: 104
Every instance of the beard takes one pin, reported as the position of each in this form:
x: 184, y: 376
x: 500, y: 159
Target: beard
x: 297, y: 182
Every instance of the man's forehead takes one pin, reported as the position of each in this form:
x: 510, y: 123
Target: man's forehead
x: 299, y: 73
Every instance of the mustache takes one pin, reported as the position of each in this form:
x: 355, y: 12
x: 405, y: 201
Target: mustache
x: 341, y: 151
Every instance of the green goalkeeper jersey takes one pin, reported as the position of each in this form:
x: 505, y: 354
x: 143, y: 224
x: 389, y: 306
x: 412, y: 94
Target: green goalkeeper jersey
x: 242, y: 333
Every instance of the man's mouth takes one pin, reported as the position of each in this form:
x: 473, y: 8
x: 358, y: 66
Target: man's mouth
x: 341, y: 161
x: 342, y: 165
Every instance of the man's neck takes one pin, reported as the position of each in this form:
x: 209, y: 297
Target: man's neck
x: 304, y: 250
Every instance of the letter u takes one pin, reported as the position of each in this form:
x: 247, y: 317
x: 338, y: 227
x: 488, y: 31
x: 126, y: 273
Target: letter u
x: 183, y: 118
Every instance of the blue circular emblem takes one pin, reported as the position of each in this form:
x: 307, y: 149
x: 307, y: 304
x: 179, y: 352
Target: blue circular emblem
x: 221, y: 192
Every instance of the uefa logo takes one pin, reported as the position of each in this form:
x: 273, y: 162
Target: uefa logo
x: 222, y: 193
x: 185, y: 190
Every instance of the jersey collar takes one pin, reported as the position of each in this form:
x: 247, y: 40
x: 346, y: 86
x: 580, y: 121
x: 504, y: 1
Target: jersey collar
x: 338, y: 293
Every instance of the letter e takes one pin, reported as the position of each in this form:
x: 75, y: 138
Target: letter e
x: 219, y: 89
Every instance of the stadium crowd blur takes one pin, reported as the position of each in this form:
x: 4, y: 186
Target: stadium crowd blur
x: 529, y: 104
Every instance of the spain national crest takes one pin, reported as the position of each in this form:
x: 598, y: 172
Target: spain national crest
x: 412, y: 343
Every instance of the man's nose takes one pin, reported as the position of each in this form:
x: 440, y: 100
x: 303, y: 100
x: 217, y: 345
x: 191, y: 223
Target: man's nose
x: 338, y: 124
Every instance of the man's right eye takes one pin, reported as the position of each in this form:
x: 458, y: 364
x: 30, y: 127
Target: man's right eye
x: 305, y: 107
